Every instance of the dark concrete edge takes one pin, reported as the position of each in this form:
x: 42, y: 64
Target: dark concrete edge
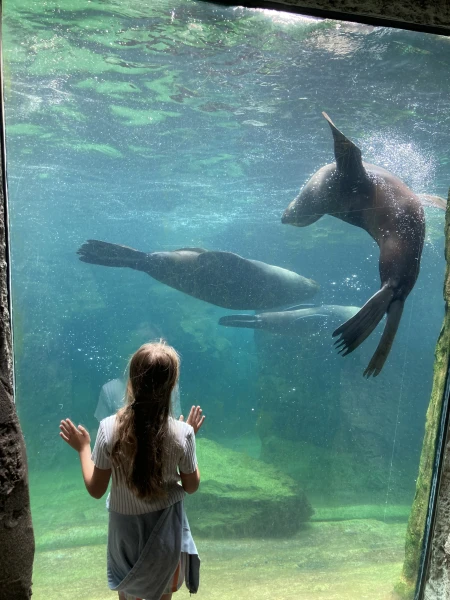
x: 365, y: 18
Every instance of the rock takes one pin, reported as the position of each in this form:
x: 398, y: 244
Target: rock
x: 241, y: 496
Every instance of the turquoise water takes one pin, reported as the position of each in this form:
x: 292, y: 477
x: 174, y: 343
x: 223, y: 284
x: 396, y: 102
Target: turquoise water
x: 179, y: 124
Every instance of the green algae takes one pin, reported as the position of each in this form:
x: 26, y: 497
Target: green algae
x: 143, y: 151
x: 101, y: 148
x: 69, y: 113
x: 240, y: 477
x: 226, y: 165
x: 392, y: 513
x: 343, y: 551
x: 54, y: 49
x: 25, y: 129
x: 214, y: 160
x: 242, y: 496
x: 330, y: 472
x: 197, y: 329
x: 163, y: 86
x: 410, y: 49
x: 135, y: 117
x: 326, y: 560
x: 113, y: 89
x: 67, y: 503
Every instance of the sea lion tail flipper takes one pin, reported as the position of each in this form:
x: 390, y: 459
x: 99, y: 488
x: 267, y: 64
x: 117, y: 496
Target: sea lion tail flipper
x: 247, y: 321
x: 434, y: 201
x: 354, y: 331
x: 347, y: 154
x: 377, y: 361
x: 97, y: 252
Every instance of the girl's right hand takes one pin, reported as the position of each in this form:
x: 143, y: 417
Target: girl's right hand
x: 195, y: 418
x: 77, y: 437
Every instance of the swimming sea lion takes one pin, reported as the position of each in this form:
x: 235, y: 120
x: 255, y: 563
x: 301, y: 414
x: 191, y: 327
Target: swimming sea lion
x: 303, y: 321
x: 372, y: 198
x: 221, y: 278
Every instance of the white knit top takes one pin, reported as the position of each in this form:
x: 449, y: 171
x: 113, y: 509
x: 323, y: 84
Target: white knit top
x: 180, y: 457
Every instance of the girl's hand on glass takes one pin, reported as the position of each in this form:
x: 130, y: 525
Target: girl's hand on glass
x: 195, y: 418
x: 77, y: 437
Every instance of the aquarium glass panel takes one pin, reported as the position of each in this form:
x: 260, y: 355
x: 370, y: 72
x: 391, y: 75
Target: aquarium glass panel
x: 159, y: 157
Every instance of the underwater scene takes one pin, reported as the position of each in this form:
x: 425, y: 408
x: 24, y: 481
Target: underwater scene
x: 241, y: 183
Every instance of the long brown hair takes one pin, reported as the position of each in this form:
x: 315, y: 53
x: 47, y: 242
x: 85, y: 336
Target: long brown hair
x: 142, y: 426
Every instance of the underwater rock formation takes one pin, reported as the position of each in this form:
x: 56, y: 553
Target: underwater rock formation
x: 241, y: 496
x: 334, y: 435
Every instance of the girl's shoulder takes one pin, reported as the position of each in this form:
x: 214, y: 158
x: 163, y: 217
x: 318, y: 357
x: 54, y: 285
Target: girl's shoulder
x: 107, y: 426
x: 180, y: 428
x: 108, y: 421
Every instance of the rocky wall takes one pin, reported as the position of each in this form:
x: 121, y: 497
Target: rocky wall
x: 16, y: 531
x: 437, y: 586
x: 438, y: 576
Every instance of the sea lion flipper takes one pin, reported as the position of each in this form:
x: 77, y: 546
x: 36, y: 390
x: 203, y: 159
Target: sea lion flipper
x: 106, y: 254
x: 434, y: 201
x: 390, y: 329
x: 347, y: 154
x: 354, y: 331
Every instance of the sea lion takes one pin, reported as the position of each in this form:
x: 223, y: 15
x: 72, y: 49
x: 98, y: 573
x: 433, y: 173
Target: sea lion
x: 221, y: 278
x: 304, y: 321
x: 372, y: 198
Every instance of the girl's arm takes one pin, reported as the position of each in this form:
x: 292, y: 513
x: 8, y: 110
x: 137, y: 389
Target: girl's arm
x: 191, y: 481
x: 96, y: 480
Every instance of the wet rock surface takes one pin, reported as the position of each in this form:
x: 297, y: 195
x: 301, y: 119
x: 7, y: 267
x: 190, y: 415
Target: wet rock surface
x: 240, y: 496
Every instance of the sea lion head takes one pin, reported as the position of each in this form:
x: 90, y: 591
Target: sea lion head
x: 324, y: 192
x: 312, y: 202
x: 295, y: 214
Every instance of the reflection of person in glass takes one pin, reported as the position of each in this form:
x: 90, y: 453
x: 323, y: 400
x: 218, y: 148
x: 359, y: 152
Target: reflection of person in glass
x: 151, y: 457
x: 111, y: 399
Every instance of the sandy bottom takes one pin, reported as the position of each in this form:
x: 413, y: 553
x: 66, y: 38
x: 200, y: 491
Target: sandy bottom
x: 356, y: 559
x: 352, y: 552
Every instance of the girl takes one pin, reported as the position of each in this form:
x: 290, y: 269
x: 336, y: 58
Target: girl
x: 147, y: 452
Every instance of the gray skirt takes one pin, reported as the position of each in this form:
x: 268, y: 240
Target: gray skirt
x: 144, y: 552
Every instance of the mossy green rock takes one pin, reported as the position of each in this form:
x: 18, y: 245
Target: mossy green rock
x: 406, y: 586
x: 241, y: 496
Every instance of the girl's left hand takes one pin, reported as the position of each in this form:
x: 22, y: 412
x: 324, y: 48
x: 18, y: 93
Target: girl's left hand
x: 195, y: 418
x: 77, y: 437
